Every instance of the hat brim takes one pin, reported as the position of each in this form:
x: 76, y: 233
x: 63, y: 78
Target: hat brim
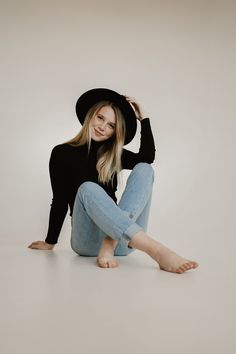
x: 89, y: 98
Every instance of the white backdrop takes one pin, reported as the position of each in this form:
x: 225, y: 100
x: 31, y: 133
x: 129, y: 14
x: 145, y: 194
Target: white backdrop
x: 177, y: 58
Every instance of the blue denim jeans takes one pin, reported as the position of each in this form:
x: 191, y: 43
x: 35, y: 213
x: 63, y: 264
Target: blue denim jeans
x: 96, y: 215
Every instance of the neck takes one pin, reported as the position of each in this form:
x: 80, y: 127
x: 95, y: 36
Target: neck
x: 95, y: 145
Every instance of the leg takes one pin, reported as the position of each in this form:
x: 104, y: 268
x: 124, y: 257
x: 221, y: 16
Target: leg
x: 136, y: 200
x: 119, y: 224
x: 86, y: 237
x: 110, y: 247
x: 167, y: 259
x: 96, y: 215
x: 94, y: 211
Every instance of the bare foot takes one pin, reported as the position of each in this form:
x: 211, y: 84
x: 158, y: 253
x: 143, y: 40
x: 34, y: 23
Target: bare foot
x: 167, y: 259
x: 171, y: 262
x: 105, y: 258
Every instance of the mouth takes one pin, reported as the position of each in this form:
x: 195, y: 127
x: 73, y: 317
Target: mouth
x: 99, y: 134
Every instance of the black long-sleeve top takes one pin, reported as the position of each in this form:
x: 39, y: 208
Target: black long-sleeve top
x: 70, y: 166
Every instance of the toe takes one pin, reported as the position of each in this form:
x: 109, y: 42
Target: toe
x: 182, y: 269
x: 110, y: 264
x: 102, y: 262
x: 179, y: 270
x: 187, y: 266
x: 114, y: 264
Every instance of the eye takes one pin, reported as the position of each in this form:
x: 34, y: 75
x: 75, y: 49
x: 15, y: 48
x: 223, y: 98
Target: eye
x: 99, y: 117
x: 111, y: 126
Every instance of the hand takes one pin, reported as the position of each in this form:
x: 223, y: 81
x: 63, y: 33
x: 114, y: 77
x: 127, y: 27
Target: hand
x: 41, y: 245
x: 136, y: 107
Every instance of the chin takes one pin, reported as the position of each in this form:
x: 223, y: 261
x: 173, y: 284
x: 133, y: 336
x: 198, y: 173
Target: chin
x: 95, y: 138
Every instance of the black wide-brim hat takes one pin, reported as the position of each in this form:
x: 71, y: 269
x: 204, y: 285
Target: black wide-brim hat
x: 89, y: 98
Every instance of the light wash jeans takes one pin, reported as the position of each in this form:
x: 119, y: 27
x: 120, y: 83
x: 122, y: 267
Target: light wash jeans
x: 96, y: 215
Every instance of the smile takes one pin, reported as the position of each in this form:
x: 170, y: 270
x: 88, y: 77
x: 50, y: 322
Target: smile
x: 96, y: 132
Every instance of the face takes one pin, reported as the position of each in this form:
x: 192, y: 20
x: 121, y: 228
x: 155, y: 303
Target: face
x: 103, y: 124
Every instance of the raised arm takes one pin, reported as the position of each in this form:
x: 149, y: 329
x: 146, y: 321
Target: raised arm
x: 147, y: 150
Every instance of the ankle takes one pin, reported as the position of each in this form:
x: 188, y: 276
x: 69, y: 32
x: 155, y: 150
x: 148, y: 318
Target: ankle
x: 108, y: 241
x: 141, y: 241
x: 145, y: 243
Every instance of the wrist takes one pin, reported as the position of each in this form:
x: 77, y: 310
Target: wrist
x: 50, y: 245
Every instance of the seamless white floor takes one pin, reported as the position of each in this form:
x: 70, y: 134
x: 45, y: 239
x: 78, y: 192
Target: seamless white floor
x: 58, y: 302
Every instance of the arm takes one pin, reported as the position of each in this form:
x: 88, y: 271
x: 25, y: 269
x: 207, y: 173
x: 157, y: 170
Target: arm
x: 59, y: 204
x: 147, y: 145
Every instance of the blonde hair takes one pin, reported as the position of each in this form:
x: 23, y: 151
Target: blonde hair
x: 109, y: 154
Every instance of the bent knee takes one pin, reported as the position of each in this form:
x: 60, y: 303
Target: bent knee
x: 145, y: 168
x: 87, y: 186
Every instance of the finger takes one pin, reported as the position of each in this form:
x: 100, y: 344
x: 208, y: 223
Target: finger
x: 31, y: 245
x: 38, y: 248
x: 34, y: 244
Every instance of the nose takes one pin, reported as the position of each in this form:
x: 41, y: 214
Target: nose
x: 102, y: 125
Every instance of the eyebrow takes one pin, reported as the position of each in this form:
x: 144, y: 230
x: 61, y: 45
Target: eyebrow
x: 105, y: 117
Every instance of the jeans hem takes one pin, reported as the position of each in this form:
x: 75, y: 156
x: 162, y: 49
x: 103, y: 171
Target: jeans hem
x: 132, y: 230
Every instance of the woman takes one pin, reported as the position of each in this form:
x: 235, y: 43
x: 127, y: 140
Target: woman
x: 84, y: 172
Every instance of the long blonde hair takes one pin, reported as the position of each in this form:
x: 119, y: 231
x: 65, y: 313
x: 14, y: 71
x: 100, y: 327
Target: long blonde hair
x: 109, y: 154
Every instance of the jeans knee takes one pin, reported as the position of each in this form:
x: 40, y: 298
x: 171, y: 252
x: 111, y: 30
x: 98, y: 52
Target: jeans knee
x: 145, y: 169
x: 86, y: 187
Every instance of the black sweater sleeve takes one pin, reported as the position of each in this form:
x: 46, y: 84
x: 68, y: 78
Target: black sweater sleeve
x: 146, y: 151
x: 59, y: 206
